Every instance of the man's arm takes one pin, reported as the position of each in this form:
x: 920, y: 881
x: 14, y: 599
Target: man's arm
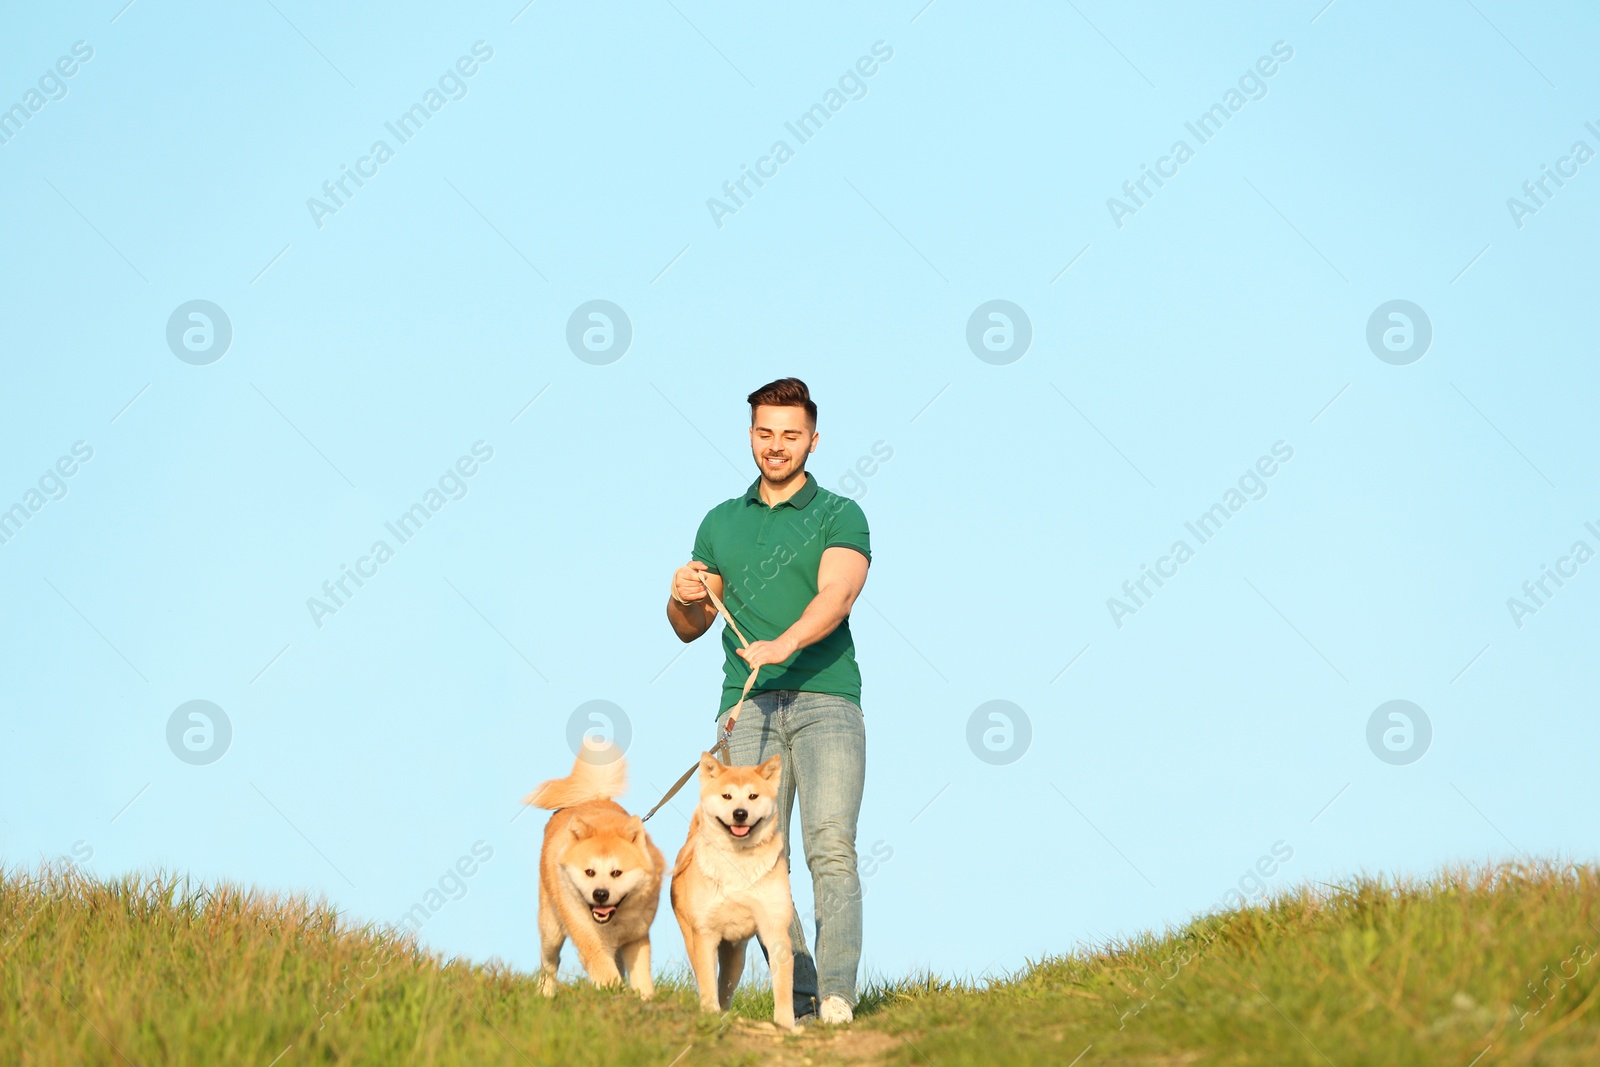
x: 840, y: 576
x: 690, y: 621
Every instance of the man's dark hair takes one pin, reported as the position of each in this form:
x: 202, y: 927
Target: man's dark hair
x: 784, y: 393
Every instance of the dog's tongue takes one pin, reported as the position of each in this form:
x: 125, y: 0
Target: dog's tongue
x: 603, y: 912
x: 738, y: 831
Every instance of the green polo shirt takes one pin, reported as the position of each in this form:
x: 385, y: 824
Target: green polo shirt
x: 768, y: 559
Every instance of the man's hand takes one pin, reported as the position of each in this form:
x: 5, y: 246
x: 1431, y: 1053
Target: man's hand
x: 686, y: 585
x: 689, y: 610
x: 761, y: 653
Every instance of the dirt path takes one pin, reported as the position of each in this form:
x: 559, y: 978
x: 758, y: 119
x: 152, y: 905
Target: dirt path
x: 747, y: 1041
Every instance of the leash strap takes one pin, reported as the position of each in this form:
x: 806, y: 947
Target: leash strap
x: 721, y: 750
x: 679, y: 784
x: 722, y: 609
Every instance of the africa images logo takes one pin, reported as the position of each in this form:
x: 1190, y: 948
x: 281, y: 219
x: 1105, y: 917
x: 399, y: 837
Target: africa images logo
x: 1399, y: 732
x: 199, y: 332
x: 599, y: 332
x: 999, y: 332
x: 199, y: 732
x: 1251, y: 86
x: 451, y: 85
x: 852, y: 85
x: 1399, y: 332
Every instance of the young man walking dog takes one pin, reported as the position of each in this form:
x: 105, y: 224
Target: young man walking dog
x: 789, y: 559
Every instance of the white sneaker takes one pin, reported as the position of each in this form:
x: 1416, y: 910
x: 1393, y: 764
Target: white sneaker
x: 835, y: 1012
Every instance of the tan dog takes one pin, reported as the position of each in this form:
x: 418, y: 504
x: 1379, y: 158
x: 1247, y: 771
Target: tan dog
x: 731, y: 882
x: 599, y: 876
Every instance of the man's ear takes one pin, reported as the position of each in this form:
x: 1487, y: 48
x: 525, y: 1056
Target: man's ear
x: 579, y: 829
x: 634, y: 829
x: 771, y: 767
x: 710, y: 766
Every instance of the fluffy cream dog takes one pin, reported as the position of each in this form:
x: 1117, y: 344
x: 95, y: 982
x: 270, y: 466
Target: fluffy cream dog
x: 731, y: 882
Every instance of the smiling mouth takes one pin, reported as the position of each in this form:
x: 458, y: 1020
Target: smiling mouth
x: 741, y: 829
x: 603, y: 913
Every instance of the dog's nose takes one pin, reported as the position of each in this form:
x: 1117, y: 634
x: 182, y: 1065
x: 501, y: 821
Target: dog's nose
x: 602, y: 895
x: 740, y: 815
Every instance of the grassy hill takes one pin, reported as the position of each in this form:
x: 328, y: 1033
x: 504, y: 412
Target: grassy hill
x: 1474, y: 967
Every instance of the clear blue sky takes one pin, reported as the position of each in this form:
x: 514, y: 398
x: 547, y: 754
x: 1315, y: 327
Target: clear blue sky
x: 1175, y: 340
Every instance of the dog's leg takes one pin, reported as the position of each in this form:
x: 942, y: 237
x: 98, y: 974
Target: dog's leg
x: 691, y: 939
x: 774, y: 931
x: 598, y: 958
x: 635, y: 958
x: 703, y: 959
x: 550, y: 941
x: 600, y: 962
x: 730, y: 965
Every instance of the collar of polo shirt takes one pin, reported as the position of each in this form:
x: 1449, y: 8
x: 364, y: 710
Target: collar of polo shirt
x: 803, y: 496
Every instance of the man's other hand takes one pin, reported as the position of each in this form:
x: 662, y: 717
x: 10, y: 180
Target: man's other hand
x: 761, y: 653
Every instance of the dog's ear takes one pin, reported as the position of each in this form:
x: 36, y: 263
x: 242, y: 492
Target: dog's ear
x: 771, y: 767
x: 710, y: 766
x: 634, y: 829
x: 579, y: 829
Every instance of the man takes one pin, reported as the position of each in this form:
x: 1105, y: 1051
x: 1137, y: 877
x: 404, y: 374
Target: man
x: 789, y: 558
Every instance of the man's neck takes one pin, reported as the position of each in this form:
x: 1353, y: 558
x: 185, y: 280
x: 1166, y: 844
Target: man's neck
x: 775, y: 493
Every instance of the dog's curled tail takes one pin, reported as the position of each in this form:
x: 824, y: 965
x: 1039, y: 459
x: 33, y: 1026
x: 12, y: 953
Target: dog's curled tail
x: 599, y: 773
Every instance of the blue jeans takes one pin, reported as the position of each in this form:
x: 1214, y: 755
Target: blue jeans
x: 823, y: 741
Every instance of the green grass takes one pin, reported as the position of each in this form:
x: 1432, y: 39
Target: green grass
x: 155, y: 970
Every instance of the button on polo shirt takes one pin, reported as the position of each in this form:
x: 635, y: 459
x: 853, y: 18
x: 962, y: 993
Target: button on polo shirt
x: 768, y: 559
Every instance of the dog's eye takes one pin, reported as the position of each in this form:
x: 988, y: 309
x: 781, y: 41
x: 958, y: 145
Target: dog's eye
x: 616, y: 874
x: 589, y: 873
x: 755, y: 796
x: 727, y: 796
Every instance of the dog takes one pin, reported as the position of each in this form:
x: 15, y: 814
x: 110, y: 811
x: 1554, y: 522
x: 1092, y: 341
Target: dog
x: 599, y: 876
x: 731, y: 881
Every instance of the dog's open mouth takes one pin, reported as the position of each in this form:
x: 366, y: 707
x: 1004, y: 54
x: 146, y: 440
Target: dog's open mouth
x: 740, y: 829
x: 602, y: 912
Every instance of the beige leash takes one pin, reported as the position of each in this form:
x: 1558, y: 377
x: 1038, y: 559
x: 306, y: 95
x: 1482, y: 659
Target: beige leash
x: 720, y: 749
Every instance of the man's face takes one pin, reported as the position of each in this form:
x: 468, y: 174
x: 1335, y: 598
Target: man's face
x: 780, y: 441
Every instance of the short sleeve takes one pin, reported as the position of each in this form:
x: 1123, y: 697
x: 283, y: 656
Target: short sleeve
x: 849, y: 529
x: 704, y: 543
